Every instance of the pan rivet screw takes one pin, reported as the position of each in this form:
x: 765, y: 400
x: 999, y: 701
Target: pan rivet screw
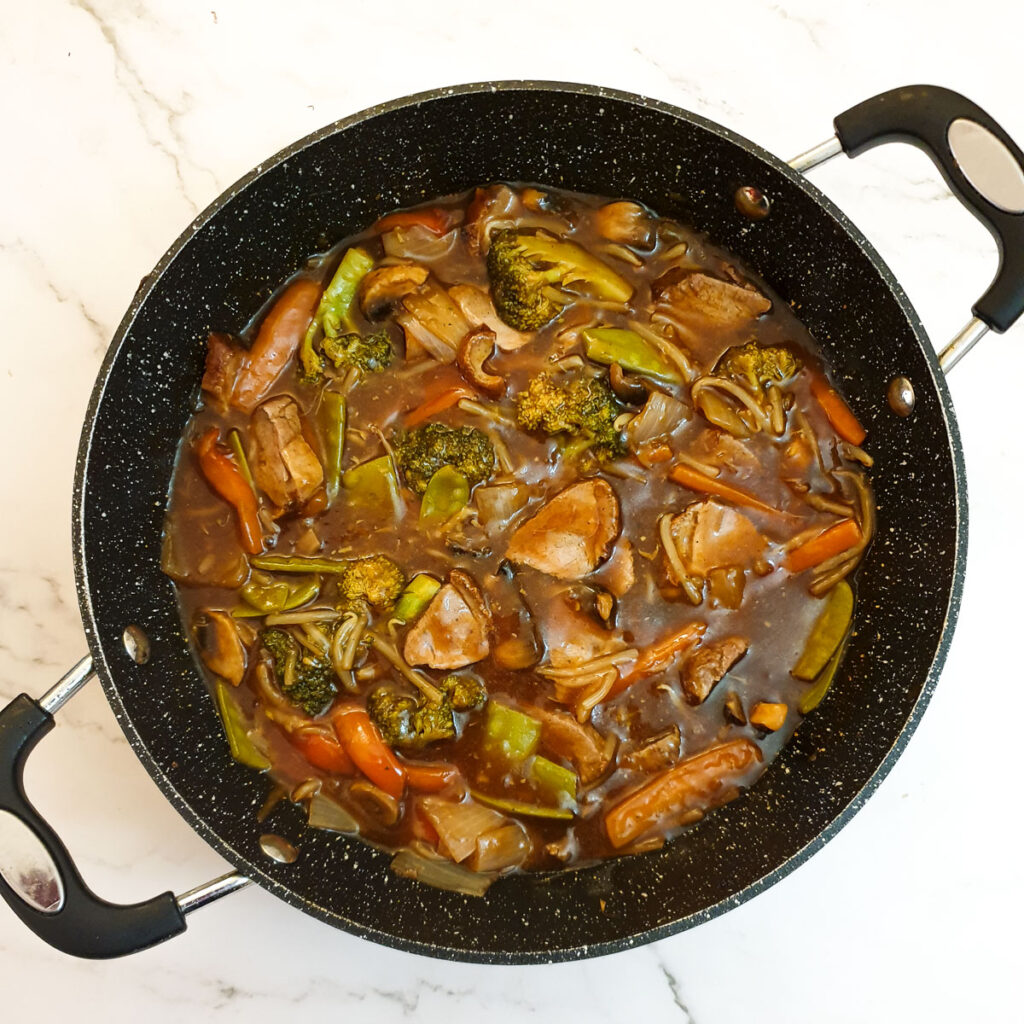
x: 901, y: 396
x: 278, y: 848
x: 752, y: 202
x: 136, y: 643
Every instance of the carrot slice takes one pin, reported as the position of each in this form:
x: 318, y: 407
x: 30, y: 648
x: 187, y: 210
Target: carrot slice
x: 839, y: 414
x: 655, y: 658
x: 704, y: 484
x: 365, y: 745
x: 442, y: 393
x: 429, y: 778
x: 324, y: 753
x: 699, y: 782
x: 433, y: 218
x: 825, y: 545
x: 225, y: 477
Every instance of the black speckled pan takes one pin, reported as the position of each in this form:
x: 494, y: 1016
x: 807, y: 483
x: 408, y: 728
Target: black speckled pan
x: 332, y: 184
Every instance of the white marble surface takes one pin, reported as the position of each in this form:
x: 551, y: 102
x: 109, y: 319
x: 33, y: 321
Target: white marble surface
x: 123, y: 118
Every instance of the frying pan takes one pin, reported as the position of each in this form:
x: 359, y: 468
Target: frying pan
x: 332, y: 184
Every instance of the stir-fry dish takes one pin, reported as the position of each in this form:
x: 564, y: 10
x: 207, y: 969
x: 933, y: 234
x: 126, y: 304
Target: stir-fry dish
x: 516, y: 532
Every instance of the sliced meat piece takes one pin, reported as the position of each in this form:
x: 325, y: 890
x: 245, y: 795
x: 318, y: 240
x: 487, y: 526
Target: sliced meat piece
x: 224, y: 358
x: 654, y: 754
x: 724, y: 451
x: 589, y: 751
x: 618, y: 574
x: 708, y: 664
x: 712, y: 303
x: 477, y: 308
x: 455, y: 629
x: 571, y: 534
x: 709, y: 535
x: 283, y: 465
x: 572, y: 637
x: 382, y: 288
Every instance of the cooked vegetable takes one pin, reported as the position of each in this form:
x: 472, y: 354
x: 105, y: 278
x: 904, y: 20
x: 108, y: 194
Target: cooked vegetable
x: 443, y: 394
x: 369, y: 353
x: 696, y: 784
x: 816, y: 694
x: 555, y: 783
x: 429, y: 778
x: 332, y: 423
x: 757, y: 365
x: 373, y: 579
x: 703, y: 484
x: 372, y: 756
x: 323, y: 751
x: 474, y: 351
x: 466, y: 693
x: 527, y: 273
x: 521, y: 807
x: 382, y: 288
x: 447, y: 493
x: 827, y: 544
x: 238, y: 450
x: 421, y: 452
x: 304, y: 679
x: 843, y: 421
x: 225, y: 477
x: 407, y: 723
x: 268, y: 595
x: 433, y: 218
x: 608, y: 345
x: 333, y: 313
x: 827, y: 633
x: 375, y: 484
x: 509, y: 733
x: 768, y: 715
x: 441, y: 874
x: 659, y: 656
x: 329, y: 814
x: 415, y: 598
x: 579, y: 407
x: 220, y: 646
x: 236, y: 730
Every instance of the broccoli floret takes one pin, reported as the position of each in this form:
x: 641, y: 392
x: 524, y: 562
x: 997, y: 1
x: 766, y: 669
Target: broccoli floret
x: 305, y: 680
x: 374, y: 580
x: 407, y: 723
x: 370, y: 353
x: 421, y: 452
x: 583, y: 407
x: 527, y: 273
x: 756, y: 365
x: 466, y: 693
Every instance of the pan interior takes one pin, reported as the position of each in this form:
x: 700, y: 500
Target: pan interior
x: 329, y: 186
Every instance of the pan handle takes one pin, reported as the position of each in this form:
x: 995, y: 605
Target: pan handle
x: 38, y: 878
x: 980, y: 163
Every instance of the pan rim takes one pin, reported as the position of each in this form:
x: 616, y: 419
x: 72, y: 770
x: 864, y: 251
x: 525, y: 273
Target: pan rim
x: 107, y: 673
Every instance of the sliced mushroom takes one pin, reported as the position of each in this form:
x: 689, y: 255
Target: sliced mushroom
x: 654, y: 754
x: 474, y: 351
x: 708, y: 664
x: 283, y: 464
x: 382, y: 288
x: 571, y: 534
x: 220, y: 646
x: 733, y: 708
x: 454, y: 631
x: 629, y: 389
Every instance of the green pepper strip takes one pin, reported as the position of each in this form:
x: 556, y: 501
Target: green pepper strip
x: 447, y: 493
x: 269, y: 596
x: 333, y: 314
x: 520, y: 807
x: 414, y: 599
x: 235, y: 441
x: 332, y: 417
x: 816, y: 694
x: 236, y: 729
x: 509, y: 733
x: 827, y: 633
x: 609, y: 345
x: 301, y: 563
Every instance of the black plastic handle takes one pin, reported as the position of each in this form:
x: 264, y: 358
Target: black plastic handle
x: 85, y: 925
x: 922, y: 115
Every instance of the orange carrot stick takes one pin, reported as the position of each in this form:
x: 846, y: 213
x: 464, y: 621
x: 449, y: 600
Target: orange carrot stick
x: 444, y: 391
x: 844, y: 423
x: 655, y: 658
x: 365, y: 745
x: 825, y: 545
x: 429, y: 778
x: 698, y: 481
x: 324, y: 753
x: 226, y: 478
